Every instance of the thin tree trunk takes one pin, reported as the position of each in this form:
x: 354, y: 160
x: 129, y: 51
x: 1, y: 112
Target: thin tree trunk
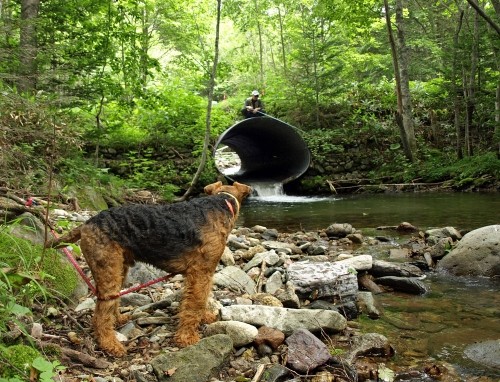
x: 261, y: 47
x: 407, y: 112
x: 282, y: 37
x: 454, y: 87
x: 470, y: 88
x: 211, y: 87
x: 28, y: 45
x: 397, y: 78
x: 481, y: 13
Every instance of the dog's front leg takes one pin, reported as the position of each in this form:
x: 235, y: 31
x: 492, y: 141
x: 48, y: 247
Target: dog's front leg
x: 193, y: 306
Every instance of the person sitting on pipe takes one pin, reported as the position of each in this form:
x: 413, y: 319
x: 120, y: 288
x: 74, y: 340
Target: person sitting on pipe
x: 254, y: 107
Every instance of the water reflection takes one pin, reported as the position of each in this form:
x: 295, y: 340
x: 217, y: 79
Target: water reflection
x: 289, y: 213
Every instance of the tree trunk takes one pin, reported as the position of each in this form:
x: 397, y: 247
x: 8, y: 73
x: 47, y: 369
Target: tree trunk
x: 454, y: 87
x: 283, y: 51
x: 401, y: 119
x: 407, y: 112
x: 28, y: 46
x: 211, y: 87
x: 261, y: 47
x: 470, y: 88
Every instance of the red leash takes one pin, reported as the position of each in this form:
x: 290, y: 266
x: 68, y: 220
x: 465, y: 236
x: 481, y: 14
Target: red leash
x: 93, y: 288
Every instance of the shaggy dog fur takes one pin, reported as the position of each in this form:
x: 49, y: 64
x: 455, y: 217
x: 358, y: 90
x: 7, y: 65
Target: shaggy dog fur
x: 185, y: 238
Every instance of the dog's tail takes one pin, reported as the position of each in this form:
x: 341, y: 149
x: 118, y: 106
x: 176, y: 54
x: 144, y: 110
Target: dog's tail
x: 71, y: 237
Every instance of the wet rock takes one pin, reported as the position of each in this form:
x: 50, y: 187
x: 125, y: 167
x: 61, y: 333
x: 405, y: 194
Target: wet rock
x: 241, y: 334
x: 385, y: 268
x: 235, y: 279
x: 411, y: 285
x: 366, y: 305
x: 406, y: 227
x: 355, y: 238
x: 284, y: 319
x: 477, y: 254
x: 433, y: 235
x: 440, y: 249
x: 339, y: 230
x: 305, y: 351
x: 486, y: 353
x: 373, y: 344
x: 195, y: 363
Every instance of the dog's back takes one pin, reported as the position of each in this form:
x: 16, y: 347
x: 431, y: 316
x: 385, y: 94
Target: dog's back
x: 162, y: 231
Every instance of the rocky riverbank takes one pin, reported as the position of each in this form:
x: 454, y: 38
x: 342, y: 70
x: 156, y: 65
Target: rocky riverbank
x: 289, y: 306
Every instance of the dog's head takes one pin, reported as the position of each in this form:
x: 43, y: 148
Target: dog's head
x: 239, y: 190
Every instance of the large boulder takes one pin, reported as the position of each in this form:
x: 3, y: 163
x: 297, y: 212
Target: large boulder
x: 477, y: 254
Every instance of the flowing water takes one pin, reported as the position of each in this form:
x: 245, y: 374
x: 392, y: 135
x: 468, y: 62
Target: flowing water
x: 435, y: 327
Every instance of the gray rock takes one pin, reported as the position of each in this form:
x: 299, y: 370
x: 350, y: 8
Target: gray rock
x: 339, y: 230
x: 486, y: 353
x: 366, y: 304
x: 284, y: 319
x: 274, y: 282
x: 135, y: 299
x: 198, y: 362
x: 323, y: 279
x: 477, y: 254
x: 382, y: 268
x: 241, y: 334
x: 433, y: 235
x: 288, y: 297
x: 234, y: 278
x: 305, y: 351
x: 410, y: 285
x: 369, y: 344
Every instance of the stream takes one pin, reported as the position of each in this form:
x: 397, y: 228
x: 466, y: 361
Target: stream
x: 425, y: 329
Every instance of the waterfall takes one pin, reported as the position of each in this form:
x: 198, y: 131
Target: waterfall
x: 268, y: 189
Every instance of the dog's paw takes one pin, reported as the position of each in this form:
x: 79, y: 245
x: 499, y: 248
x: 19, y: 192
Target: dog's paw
x: 115, y: 349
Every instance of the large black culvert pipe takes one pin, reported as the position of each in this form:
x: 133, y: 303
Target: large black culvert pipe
x: 270, y: 150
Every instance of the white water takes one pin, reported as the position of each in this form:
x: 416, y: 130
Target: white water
x: 273, y: 192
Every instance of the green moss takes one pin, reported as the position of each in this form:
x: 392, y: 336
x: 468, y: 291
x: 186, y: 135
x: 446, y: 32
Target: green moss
x: 20, y: 357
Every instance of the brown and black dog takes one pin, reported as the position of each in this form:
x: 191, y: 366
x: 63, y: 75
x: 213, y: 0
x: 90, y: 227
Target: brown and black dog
x: 185, y: 238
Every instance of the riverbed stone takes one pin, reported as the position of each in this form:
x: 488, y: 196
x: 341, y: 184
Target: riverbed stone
x: 476, y: 254
x: 382, y: 268
x: 433, y: 235
x: 339, y: 230
x: 486, y: 353
x: 305, y: 351
x: 323, y: 279
x: 234, y: 278
x: 198, y: 362
x: 411, y: 285
x: 285, y: 319
x: 241, y: 333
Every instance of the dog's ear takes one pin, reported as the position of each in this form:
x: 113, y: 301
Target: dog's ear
x: 243, y: 188
x: 212, y: 188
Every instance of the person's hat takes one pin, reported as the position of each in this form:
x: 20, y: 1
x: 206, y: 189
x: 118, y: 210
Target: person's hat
x: 255, y: 92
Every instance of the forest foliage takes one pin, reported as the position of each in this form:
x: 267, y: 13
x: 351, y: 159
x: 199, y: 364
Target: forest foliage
x: 81, y: 79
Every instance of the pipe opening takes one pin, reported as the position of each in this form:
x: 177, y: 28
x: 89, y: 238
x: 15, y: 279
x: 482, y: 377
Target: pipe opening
x: 261, y: 150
